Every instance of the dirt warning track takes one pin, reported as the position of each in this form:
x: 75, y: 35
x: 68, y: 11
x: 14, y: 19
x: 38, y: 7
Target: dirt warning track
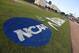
x: 75, y: 36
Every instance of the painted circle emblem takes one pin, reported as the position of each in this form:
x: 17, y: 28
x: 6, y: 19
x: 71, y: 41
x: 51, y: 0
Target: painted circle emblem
x: 27, y: 31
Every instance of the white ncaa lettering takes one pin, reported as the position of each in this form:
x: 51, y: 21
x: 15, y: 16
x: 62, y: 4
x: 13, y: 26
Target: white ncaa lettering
x: 28, y: 32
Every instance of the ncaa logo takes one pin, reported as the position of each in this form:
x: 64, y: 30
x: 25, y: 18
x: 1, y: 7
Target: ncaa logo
x: 27, y: 31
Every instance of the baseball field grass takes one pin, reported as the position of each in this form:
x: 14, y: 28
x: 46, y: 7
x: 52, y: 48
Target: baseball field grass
x: 60, y: 41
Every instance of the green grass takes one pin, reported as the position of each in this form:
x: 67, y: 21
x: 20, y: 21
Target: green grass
x: 60, y: 41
